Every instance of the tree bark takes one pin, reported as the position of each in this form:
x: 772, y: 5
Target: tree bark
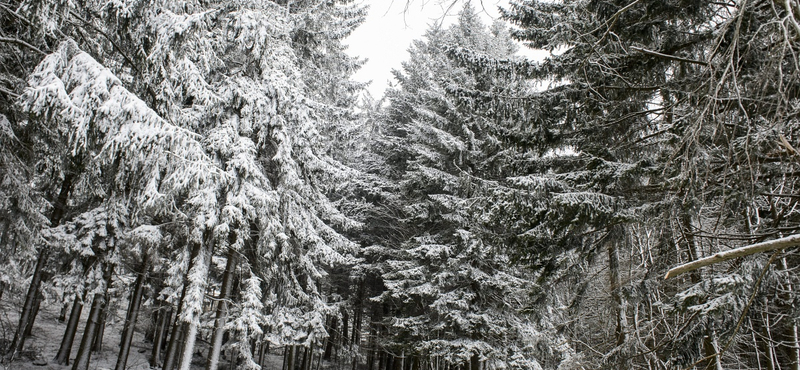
x: 204, y: 257
x: 62, y: 357
x: 782, y: 243
x: 35, y: 312
x: 264, y: 353
x: 222, y: 313
x: 188, y: 345
x: 89, y: 334
x: 130, y: 322
x: 303, y: 358
x: 158, y: 339
x: 97, y: 344
x: 62, y: 316
x: 619, y: 302
x: 331, y: 338
x: 178, y: 327
x: 290, y: 358
x: 27, y: 308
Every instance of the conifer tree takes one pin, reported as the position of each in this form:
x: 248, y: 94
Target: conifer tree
x: 452, y: 290
x: 649, y: 126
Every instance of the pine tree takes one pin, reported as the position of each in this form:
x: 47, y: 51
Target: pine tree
x: 647, y: 123
x: 452, y: 290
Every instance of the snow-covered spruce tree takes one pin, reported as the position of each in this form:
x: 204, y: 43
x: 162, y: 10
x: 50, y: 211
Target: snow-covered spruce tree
x: 234, y: 73
x: 454, y: 295
x: 657, y: 114
x: 125, y: 148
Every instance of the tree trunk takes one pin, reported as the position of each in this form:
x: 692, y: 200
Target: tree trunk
x: 222, y: 313
x: 27, y: 308
x: 264, y: 353
x: 62, y: 316
x: 203, y: 257
x: 175, y: 340
x: 303, y: 358
x: 291, y: 357
x: 345, y: 330
x: 150, y: 330
x: 59, y: 208
x: 178, y: 327
x: 475, y: 362
x: 36, y: 305
x: 355, y: 338
x: 618, y: 301
x: 62, y: 357
x: 128, y: 311
x: 371, y: 348
x: 188, y: 344
x: 130, y: 322
x: 89, y: 334
x: 97, y: 345
x: 160, y: 335
x: 331, y: 338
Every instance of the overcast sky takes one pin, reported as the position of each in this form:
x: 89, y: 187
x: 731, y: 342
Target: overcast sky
x: 390, y: 27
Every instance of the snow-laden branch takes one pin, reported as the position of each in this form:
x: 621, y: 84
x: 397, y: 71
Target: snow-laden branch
x: 782, y: 243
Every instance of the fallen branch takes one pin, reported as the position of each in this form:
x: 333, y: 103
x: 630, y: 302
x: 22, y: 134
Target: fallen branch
x: 782, y: 243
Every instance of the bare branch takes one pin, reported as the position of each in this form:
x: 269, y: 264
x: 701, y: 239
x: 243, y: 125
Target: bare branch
x: 782, y: 243
x: 667, y: 56
x: 22, y: 43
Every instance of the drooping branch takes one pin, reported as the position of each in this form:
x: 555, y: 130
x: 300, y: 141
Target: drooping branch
x: 782, y: 243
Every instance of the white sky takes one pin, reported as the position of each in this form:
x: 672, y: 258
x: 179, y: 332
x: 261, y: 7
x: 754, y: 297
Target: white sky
x: 389, y: 29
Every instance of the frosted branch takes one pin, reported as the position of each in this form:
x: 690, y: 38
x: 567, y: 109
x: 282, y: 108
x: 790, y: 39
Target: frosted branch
x: 782, y: 243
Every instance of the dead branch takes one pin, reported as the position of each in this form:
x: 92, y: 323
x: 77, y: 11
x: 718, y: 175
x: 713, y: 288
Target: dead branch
x: 782, y: 243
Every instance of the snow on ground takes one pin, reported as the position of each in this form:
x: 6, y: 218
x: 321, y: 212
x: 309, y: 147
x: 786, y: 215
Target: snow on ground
x: 47, y: 333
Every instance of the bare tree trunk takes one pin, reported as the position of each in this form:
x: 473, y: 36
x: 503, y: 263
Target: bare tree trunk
x: 222, y: 313
x: 175, y: 340
x: 475, y: 362
x: 355, y: 342
x: 62, y: 316
x: 98, y: 306
x: 331, y: 338
x: 97, y: 344
x: 27, y: 308
x: 188, y: 345
x: 619, y: 302
x: 158, y: 339
x: 130, y: 322
x: 62, y: 357
x: 290, y: 358
x: 371, y: 347
x: 303, y: 358
x: 35, y: 312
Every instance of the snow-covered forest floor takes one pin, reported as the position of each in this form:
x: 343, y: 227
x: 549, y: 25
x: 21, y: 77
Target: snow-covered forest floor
x: 47, y: 332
